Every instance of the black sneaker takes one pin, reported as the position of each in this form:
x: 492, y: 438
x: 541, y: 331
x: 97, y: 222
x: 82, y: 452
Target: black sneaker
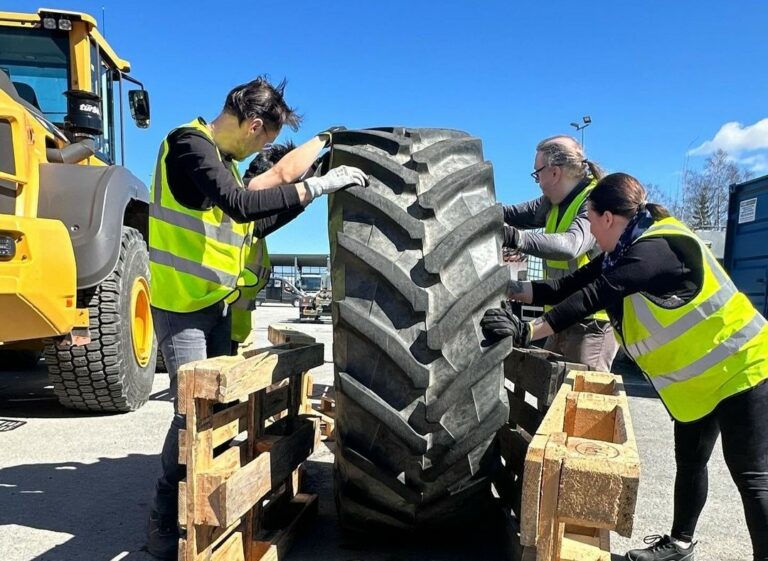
x: 661, y: 549
x: 163, y: 537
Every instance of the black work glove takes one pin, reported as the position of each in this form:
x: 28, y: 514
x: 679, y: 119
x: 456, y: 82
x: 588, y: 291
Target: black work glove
x: 498, y: 323
x: 327, y: 134
x: 511, y: 237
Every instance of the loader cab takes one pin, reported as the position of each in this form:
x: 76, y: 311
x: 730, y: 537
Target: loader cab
x: 48, y: 55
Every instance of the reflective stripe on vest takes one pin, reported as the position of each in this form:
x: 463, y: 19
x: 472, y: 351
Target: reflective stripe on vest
x: 698, y: 353
x: 196, y: 256
x: 554, y: 269
x: 254, y: 277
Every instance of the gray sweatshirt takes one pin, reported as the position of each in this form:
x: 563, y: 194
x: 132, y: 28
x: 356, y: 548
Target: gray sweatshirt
x: 575, y: 241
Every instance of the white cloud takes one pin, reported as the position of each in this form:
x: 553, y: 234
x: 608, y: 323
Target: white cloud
x: 739, y: 140
x: 734, y: 138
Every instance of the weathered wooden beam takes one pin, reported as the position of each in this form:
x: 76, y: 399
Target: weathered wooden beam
x: 281, y: 333
x: 230, y: 498
x: 231, y: 380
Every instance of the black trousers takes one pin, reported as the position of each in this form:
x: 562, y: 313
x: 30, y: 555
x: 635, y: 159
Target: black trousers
x: 743, y: 422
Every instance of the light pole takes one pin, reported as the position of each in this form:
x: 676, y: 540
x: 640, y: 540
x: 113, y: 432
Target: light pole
x: 587, y: 120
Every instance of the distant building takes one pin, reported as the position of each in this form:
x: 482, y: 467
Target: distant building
x: 290, y: 265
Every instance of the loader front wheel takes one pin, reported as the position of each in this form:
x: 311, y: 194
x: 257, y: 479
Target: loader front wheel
x: 115, y: 371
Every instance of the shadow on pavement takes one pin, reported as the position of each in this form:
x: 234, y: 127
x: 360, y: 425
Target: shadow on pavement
x: 103, y: 505
x: 29, y: 394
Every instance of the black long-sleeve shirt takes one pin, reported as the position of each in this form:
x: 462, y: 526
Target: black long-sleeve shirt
x: 198, y: 179
x: 667, y: 270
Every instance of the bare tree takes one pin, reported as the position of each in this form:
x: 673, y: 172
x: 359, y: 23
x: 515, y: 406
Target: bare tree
x: 705, y: 192
x: 655, y: 194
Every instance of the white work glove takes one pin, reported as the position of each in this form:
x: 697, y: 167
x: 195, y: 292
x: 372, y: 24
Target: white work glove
x: 335, y: 180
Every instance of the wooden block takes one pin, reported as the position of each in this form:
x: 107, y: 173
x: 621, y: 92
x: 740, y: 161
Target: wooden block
x: 231, y: 550
x: 592, y: 416
x: 307, y: 387
x: 578, y: 547
x: 182, y: 447
x: 225, y: 382
x: 280, y: 334
x: 182, y: 503
x: 228, y: 500
x: 514, y: 447
x: 523, y: 414
x: 534, y: 372
x: 532, y: 477
x: 596, y: 382
x: 327, y: 404
x: 277, y: 400
x: 277, y: 546
x: 183, y: 374
x: 327, y: 425
x: 599, y: 485
x: 550, y: 529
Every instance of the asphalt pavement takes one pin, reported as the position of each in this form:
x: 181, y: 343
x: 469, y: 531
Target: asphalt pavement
x: 77, y: 487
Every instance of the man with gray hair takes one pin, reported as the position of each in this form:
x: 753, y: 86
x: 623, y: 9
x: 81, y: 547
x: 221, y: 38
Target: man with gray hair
x: 565, y: 177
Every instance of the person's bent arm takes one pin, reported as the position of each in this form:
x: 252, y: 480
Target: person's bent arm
x: 204, y: 170
x: 553, y: 291
x: 574, y: 242
x: 291, y: 166
x: 530, y: 214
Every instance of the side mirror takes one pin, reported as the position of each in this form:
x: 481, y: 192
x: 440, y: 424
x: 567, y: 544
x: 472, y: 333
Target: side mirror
x: 138, y: 100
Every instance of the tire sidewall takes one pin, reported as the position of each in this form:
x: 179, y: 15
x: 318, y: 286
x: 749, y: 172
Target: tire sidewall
x: 136, y: 380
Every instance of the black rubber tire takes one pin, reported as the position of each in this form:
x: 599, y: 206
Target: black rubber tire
x: 105, y: 375
x: 416, y: 260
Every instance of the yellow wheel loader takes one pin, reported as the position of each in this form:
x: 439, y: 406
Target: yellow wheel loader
x: 74, y: 267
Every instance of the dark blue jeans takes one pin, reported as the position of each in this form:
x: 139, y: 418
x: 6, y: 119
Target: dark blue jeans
x: 184, y: 338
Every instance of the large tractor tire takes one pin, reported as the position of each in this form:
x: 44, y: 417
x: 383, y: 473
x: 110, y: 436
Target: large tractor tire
x: 115, y: 371
x: 416, y: 260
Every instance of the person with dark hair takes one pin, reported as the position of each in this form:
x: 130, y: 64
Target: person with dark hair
x: 257, y: 269
x: 266, y: 159
x: 699, y: 341
x: 565, y: 177
x: 202, y: 221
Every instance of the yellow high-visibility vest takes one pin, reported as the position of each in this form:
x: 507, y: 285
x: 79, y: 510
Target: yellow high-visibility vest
x: 701, y: 352
x: 554, y: 269
x: 195, y: 256
x: 254, y: 277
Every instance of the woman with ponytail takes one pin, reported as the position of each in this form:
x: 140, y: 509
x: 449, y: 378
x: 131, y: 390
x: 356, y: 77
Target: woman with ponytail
x: 699, y: 341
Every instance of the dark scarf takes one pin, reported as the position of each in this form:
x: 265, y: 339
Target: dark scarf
x: 638, y: 224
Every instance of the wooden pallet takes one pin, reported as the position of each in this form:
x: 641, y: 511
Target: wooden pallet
x: 532, y: 378
x: 245, y: 439
x: 581, y: 472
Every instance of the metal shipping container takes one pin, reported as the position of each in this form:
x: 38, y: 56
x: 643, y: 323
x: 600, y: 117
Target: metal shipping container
x: 746, y: 240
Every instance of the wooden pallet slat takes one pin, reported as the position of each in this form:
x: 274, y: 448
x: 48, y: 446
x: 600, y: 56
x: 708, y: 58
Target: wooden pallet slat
x: 232, y: 498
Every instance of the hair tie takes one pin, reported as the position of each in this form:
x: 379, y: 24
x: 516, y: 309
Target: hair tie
x: 641, y: 207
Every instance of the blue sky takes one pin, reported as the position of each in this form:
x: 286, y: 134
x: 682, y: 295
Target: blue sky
x: 659, y: 79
